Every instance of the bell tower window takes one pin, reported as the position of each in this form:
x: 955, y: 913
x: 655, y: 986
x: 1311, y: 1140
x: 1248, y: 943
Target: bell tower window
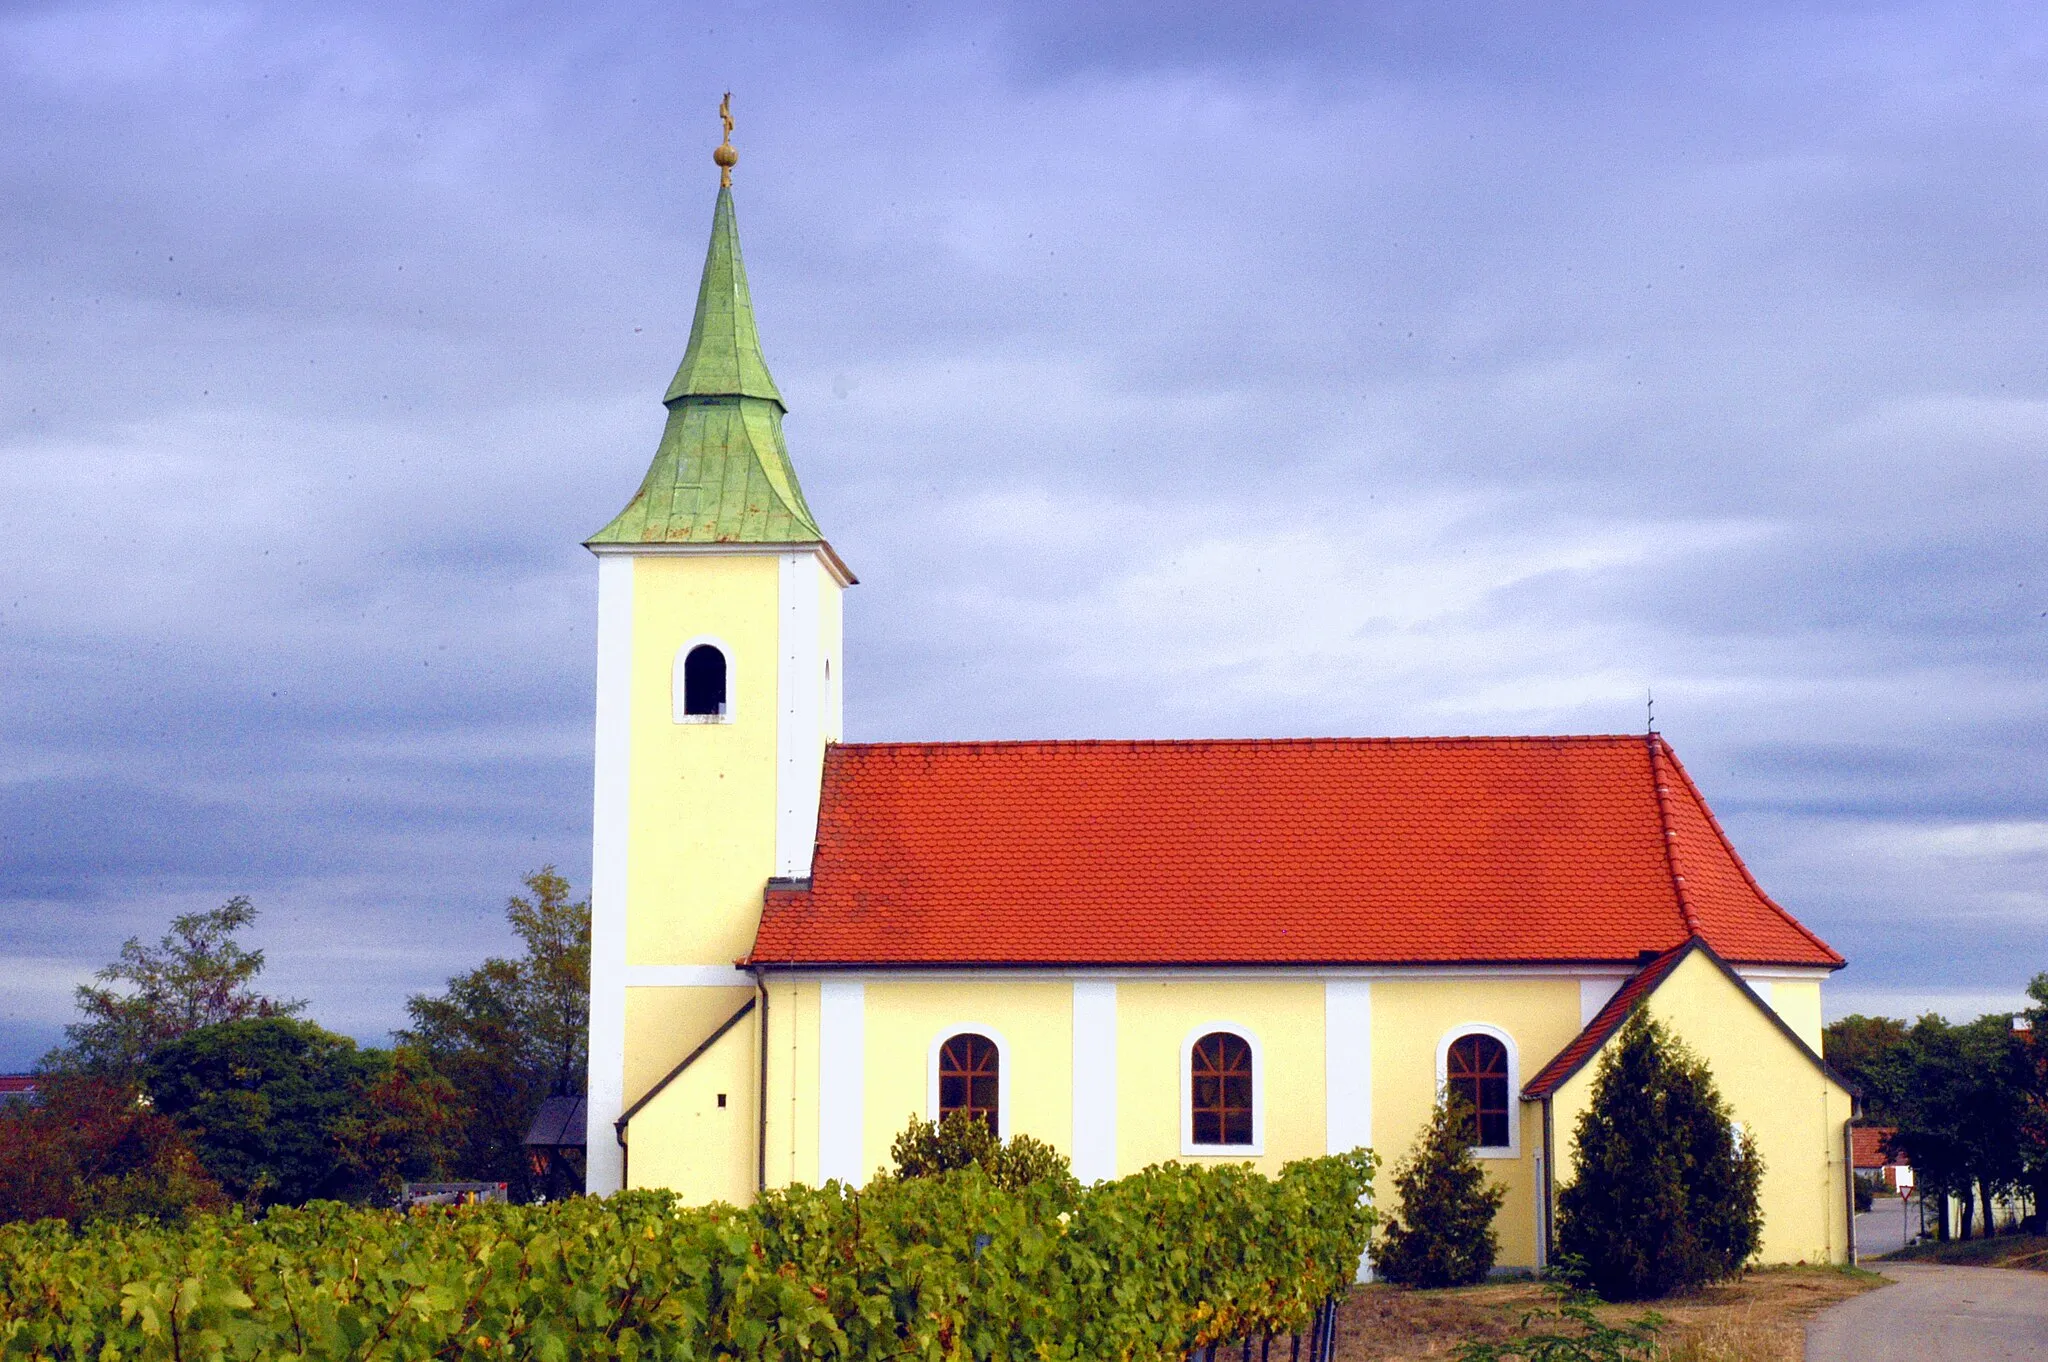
x: 703, y: 683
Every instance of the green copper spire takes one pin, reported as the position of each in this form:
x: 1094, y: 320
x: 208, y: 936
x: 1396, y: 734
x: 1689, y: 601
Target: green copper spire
x: 722, y: 474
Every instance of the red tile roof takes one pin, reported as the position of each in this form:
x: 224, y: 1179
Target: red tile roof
x: 1303, y: 851
x: 1870, y: 1146
x: 1610, y: 1018
x: 1605, y: 1023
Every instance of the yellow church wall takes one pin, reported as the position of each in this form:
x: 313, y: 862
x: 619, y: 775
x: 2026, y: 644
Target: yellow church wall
x: 1031, y: 1021
x: 701, y: 836
x: 1154, y: 1022
x: 1411, y: 1020
x: 685, y: 1141
x: 1798, y: 1002
x: 664, y: 1024
x: 1794, y: 1112
x: 792, y: 1115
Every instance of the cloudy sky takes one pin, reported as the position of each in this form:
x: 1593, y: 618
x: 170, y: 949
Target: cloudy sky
x: 1163, y: 369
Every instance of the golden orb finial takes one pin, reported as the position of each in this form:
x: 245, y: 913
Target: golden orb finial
x: 725, y: 156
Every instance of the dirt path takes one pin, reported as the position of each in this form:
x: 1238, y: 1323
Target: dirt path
x: 1957, y: 1314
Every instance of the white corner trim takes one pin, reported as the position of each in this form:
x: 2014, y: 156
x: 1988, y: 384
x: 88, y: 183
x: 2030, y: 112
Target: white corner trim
x: 1347, y: 1064
x: 931, y: 1071
x: 675, y: 685
x: 842, y: 1080
x: 1594, y: 994
x: 687, y: 976
x: 605, y: 1164
x: 1513, y: 1148
x: 800, y: 712
x: 1094, y: 1079
x: 1187, y: 1092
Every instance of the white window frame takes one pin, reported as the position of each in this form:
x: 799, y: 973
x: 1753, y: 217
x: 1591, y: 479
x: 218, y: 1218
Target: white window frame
x: 1002, y: 1044
x: 675, y: 685
x: 1513, y: 1148
x: 1187, y: 1093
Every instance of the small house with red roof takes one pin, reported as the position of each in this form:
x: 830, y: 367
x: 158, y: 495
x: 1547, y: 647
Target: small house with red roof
x: 1232, y: 950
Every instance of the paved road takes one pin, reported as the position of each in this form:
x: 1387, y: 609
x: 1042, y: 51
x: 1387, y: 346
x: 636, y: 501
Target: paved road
x: 1954, y: 1314
x: 1886, y: 1226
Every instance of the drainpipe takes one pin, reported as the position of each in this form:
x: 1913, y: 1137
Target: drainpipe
x: 761, y: 1093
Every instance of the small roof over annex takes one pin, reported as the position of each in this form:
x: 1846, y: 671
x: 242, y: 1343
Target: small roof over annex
x: 1346, y: 851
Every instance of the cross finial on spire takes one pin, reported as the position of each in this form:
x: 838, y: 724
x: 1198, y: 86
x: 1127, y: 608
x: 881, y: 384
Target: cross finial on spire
x: 726, y: 157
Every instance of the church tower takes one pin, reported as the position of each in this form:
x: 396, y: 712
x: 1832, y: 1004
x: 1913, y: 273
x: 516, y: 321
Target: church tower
x: 718, y: 687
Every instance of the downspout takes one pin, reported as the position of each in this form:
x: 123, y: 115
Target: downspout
x: 1549, y: 1185
x: 1849, y: 1180
x: 761, y: 1097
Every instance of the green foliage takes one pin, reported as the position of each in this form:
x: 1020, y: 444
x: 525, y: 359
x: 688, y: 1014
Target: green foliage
x: 1586, y: 1339
x: 1866, y: 1051
x: 1959, y: 1095
x: 197, y: 975
x: 949, y: 1266
x: 1444, y: 1236
x: 927, y: 1148
x: 511, y: 1033
x: 87, y: 1149
x: 1665, y: 1197
x: 281, y: 1111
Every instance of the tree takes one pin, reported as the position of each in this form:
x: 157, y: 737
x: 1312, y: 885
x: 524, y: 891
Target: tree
x: 197, y: 975
x: 512, y: 1033
x: 281, y: 1111
x: 927, y: 1148
x: 1959, y: 1096
x: 1665, y: 1196
x: 2033, y: 1132
x: 87, y: 1149
x: 1444, y: 1234
x: 1865, y: 1051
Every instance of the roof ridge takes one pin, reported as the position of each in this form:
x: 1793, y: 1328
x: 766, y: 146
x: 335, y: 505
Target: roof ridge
x: 1443, y: 740
x: 1687, y: 918
x: 1700, y: 802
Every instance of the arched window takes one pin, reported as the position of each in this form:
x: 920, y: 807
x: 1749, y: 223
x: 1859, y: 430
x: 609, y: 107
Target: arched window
x: 1476, y: 1069
x: 970, y: 1079
x: 1220, y: 1090
x: 702, y: 683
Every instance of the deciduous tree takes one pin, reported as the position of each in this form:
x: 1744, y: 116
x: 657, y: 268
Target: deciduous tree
x: 197, y: 975
x: 511, y: 1033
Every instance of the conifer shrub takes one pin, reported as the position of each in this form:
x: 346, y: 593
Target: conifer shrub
x: 1665, y: 1196
x: 927, y: 1148
x: 1444, y: 1233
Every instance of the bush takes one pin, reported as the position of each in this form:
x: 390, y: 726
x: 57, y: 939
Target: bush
x: 1445, y: 1234
x: 926, y: 1148
x: 88, y: 1149
x: 945, y: 1266
x: 1665, y: 1197
x: 1588, y: 1339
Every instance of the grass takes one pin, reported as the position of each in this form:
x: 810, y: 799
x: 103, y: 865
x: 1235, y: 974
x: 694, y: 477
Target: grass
x: 2007, y: 1250
x: 1759, y: 1318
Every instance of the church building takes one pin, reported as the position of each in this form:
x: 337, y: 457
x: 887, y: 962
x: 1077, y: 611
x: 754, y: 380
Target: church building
x: 1217, y: 950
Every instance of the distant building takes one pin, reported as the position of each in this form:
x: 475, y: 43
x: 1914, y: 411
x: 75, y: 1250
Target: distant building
x: 1875, y: 1157
x: 1213, y: 951
x: 17, y: 1088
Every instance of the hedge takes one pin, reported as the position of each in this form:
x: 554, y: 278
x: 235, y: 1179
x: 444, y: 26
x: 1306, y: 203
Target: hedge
x: 1148, y: 1267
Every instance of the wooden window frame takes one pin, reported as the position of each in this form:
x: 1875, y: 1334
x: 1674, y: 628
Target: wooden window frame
x: 1002, y: 1046
x: 1188, y: 1146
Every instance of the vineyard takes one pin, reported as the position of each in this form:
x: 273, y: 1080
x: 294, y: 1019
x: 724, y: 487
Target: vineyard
x: 1148, y: 1267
